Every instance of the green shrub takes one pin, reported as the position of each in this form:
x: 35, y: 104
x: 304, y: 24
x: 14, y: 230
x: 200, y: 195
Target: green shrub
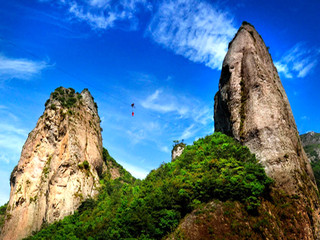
x: 70, y: 102
x: 3, y: 209
x: 2, y: 215
x: 53, y: 106
x: 84, y: 165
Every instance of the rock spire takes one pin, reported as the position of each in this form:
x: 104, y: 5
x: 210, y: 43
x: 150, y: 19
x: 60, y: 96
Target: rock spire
x: 59, y: 166
x: 251, y: 106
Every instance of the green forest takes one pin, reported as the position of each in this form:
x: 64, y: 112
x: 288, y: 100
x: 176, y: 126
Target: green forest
x: 214, y: 167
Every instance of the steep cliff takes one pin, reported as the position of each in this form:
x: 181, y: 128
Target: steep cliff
x: 59, y: 166
x: 251, y: 106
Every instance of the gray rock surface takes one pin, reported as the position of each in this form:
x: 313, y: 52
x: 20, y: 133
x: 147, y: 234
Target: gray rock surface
x: 251, y: 106
x: 59, y: 166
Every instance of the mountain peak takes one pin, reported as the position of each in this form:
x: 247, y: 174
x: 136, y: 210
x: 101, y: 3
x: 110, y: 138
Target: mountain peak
x: 60, y: 165
x: 251, y: 106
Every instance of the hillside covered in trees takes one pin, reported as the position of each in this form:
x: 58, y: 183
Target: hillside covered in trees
x: 214, y: 167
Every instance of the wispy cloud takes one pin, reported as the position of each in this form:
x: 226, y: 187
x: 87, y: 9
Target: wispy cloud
x: 298, y: 61
x: 196, y: 30
x: 188, y: 132
x: 305, y: 118
x: 165, y: 149
x: 12, y: 137
x: 183, y: 107
x: 25, y: 69
x: 10, y: 146
x: 146, y: 129
x: 163, y: 105
x: 105, y: 14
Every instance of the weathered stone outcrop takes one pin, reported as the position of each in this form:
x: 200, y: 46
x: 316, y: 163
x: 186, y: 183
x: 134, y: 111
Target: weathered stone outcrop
x: 177, y: 150
x: 251, y: 106
x: 59, y: 166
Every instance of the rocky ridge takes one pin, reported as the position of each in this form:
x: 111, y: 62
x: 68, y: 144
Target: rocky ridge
x: 60, y: 164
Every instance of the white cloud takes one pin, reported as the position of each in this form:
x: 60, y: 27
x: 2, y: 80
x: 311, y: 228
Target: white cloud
x: 165, y: 149
x: 283, y: 68
x: 136, y: 135
x: 105, y: 14
x: 180, y: 105
x: 298, y: 61
x: 188, y: 132
x: 193, y: 29
x: 11, y: 68
x: 7, y: 128
x: 181, y: 110
x: 197, y: 30
x: 307, y: 68
x: 12, y: 139
x: 163, y: 105
x: 144, y: 130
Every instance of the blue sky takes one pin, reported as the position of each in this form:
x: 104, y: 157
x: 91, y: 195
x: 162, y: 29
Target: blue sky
x: 165, y: 56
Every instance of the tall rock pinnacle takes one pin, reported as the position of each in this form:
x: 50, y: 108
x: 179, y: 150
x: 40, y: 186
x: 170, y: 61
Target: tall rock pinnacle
x: 251, y: 106
x: 59, y: 166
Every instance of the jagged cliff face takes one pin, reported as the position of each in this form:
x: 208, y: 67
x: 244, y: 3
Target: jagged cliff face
x: 59, y: 166
x: 251, y: 106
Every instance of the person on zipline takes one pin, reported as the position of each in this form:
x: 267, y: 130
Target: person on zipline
x: 132, y: 105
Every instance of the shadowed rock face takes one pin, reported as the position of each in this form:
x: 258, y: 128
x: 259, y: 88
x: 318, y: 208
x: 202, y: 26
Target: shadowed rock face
x: 251, y: 106
x: 59, y: 166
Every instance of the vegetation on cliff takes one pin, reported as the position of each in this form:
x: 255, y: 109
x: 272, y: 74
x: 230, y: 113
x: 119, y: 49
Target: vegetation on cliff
x: 66, y: 96
x: 2, y: 215
x: 214, y: 167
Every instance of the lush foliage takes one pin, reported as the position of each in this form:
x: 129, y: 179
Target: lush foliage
x: 215, y: 167
x: 67, y: 97
x: 2, y: 214
x: 3, y: 209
